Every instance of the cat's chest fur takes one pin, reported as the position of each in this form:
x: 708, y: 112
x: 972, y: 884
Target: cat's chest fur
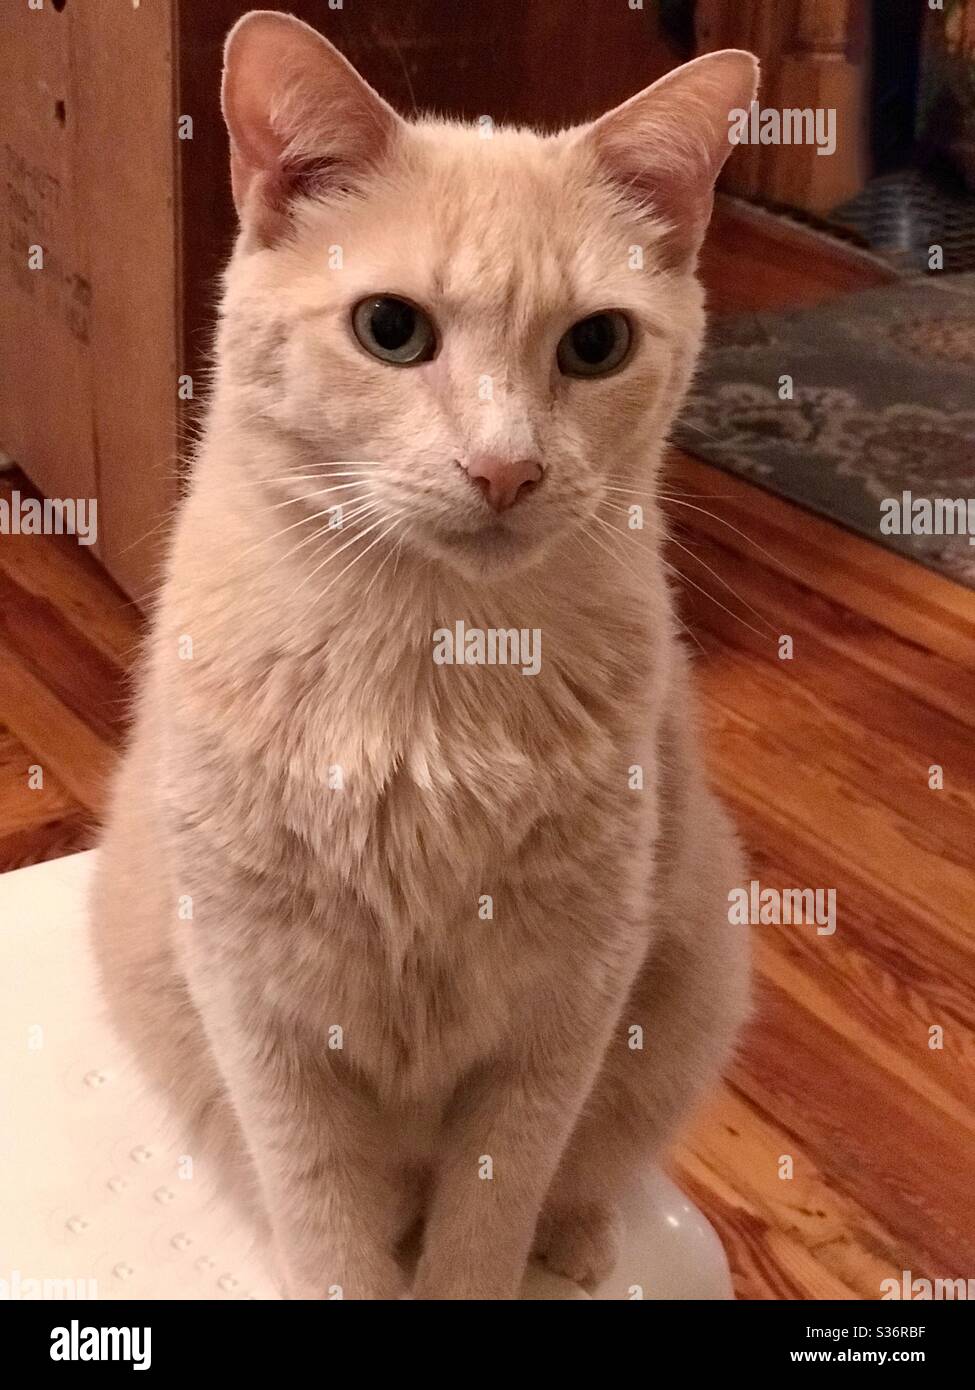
x: 416, y: 784
x: 417, y: 840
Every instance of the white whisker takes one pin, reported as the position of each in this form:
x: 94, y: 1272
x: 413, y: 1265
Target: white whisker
x: 351, y: 541
x: 393, y: 550
x: 307, y: 496
x: 356, y: 558
x: 725, y: 585
x: 641, y: 582
x: 303, y: 521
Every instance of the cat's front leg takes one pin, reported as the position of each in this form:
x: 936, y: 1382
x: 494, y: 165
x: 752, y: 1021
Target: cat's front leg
x: 500, y: 1152
x: 674, y: 1035
x: 324, y: 1161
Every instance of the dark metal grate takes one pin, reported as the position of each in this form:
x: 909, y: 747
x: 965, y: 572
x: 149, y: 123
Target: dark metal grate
x: 904, y: 214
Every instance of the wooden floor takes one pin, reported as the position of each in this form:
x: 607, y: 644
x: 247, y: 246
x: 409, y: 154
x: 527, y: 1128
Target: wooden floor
x: 825, y: 760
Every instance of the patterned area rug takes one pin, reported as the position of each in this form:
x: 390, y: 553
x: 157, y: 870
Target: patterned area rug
x: 862, y: 409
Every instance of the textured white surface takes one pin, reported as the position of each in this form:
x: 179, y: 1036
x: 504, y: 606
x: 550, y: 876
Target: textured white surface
x: 93, y: 1187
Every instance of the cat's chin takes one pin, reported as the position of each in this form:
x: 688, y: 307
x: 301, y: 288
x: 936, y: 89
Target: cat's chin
x: 486, y: 552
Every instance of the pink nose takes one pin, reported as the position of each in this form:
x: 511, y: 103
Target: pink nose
x: 503, y: 481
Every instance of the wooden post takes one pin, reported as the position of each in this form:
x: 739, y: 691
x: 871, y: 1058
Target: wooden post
x: 814, y: 55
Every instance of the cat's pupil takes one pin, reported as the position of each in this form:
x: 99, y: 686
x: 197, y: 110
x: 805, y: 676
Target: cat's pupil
x: 594, y: 339
x: 393, y: 323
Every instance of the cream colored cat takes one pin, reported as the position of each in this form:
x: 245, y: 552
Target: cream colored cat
x: 388, y: 929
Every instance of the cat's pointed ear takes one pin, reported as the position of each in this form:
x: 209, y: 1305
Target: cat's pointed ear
x: 300, y: 117
x: 666, y: 146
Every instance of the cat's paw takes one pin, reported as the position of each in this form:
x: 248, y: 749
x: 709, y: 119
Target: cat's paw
x: 580, y: 1240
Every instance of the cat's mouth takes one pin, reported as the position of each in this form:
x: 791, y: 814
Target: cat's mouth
x: 483, y: 549
x: 493, y: 538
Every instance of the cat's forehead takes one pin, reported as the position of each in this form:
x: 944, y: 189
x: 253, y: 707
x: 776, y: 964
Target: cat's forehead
x: 508, y: 212
x: 501, y: 222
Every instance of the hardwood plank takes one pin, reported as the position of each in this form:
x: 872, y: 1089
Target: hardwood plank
x: 35, y: 844
x: 891, y: 853
x: 906, y: 1167
x: 740, y: 1149
x: 64, y: 744
x: 23, y: 806
x: 885, y: 773
x: 914, y: 602
x: 754, y: 260
x: 766, y: 1262
x: 920, y: 974
x: 851, y: 1000
x: 60, y: 658
x: 56, y: 570
x: 831, y: 673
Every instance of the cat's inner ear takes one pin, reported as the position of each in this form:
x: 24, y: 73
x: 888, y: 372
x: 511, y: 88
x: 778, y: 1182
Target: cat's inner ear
x: 666, y: 146
x: 301, y: 119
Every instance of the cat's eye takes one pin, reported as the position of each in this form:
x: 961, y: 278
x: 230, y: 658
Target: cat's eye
x: 394, y: 330
x: 595, y: 345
